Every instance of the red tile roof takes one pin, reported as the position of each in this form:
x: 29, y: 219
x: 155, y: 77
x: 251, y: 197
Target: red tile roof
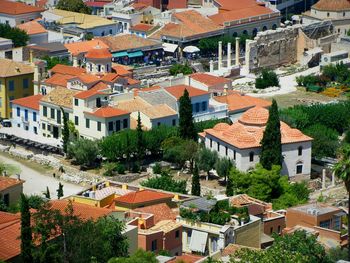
x: 177, y: 4
x: 32, y: 28
x: 186, y: 258
x: 160, y: 212
x: 95, y: 90
x: 17, y: 8
x: 121, y: 70
x: 88, y: 78
x: 110, y: 77
x: 9, y: 240
x: 67, y: 70
x: 95, y: 3
x: 7, y: 182
x: 107, y: 112
x: 142, y: 27
x: 332, y: 5
x: 178, y: 90
x: 143, y: 196
x: 31, y: 102
x: 59, y: 79
x: 137, y: 90
x: 209, y: 80
x: 98, y: 53
x: 82, y: 47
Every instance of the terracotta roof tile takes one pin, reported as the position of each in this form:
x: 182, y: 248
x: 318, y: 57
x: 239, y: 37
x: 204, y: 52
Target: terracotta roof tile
x: 67, y: 70
x: 137, y: 90
x: 177, y: 4
x: 10, y: 242
x: 98, y: 52
x: 209, y: 80
x: 232, y: 248
x: 127, y: 42
x: 32, y: 28
x: 31, y: 102
x: 143, y: 196
x: 61, y: 97
x: 142, y: 27
x: 332, y: 5
x: 110, y: 77
x: 160, y: 212
x: 95, y: 90
x: 107, y: 112
x: 11, y: 68
x: 59, y: 79
x: 82, y: 47
x: 88, y: 78
x: 178, y: 90
x: 186, y: 258
x: 158, y: 111
x: 17, y: 8
x: 133, y: 105
x: 7, y: 182
x: 121, y: 70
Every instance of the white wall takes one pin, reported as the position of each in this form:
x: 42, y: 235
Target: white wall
x: 14, y: 20
x: 19, y: 121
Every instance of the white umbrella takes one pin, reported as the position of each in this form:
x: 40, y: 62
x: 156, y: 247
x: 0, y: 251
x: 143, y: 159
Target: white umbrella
x: 191, y: 49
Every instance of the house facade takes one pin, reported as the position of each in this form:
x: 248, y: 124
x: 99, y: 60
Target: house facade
x: 16, y: 13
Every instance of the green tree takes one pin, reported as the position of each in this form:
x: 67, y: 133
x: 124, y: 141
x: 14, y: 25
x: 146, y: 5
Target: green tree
x: 229, y: 185
x: 178, y: 68
x: 35, y: 201
x: 47, y: 193
x: 83, y: 151
x: 140, y: 138
x: 271, y: 146
x: 266, y: 79
x: 196, y: 184
x: 26, y: 231
x: 59, y: 190
x: 18, y: 36
x: 166, y: 182
x: 206, y: 160
x: 53, y: 61
x: 186, y: 126
x: 140, y: 256
x: 74, y: 6
x: 223, y: 167
x: 65, y: 131
x: 342, y: 170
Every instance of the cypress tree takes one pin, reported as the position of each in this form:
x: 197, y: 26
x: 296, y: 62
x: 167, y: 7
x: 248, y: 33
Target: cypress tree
x: 229, y: 186
x: 65, y: 131
x: 139, y: 138
x: 271, y: 146
x: 47, y: 193
x: 196, y: 185
x: 26, y: 231
x: 186, y: 125
x: 60, y: 190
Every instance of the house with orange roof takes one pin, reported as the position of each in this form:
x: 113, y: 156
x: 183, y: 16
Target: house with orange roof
x: 26, y: 113
x: 10, y: 189
x: 36, y: 32
x: 213, y: 84
x: 240, y: 142
x: 16, y: 13
x: 142, y: 30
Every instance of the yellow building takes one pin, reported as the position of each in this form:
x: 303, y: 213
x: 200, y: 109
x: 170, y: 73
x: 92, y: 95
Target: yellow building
x: 16, y: 81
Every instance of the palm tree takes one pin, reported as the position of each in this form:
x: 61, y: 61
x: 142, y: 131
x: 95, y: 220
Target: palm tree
x: 342, y: 170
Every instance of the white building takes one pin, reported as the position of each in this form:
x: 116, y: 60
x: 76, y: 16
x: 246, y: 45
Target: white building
x: 16, y: 13
x: 36, y: 32
x: 25, y: 113
x: 240, y: 142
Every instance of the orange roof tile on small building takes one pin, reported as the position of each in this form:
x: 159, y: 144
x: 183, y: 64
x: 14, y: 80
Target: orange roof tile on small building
x: 209, y: 80
x: 59, y: 79
x: 18, y: 8
x: 30, y: 102
x: 138, y: 90
x: 143, y: 196
x: 177, y: 4
x: 9, y: 240
x: 142, y: 27
x: 332, y: 5
x: 110, y: 77
x: 107, y: 112
x: 77, y: 48
x: 122, y: 71
x: 32, y: 28
x: 139, y: 6
x: 67, y: 70
x: 178, y: 90
x: 88, y: 78
x: 159, y: 211
x: 239, y: 102
x: 95, y: 90
x: 7, y: 182
x: 132, y: 81
x: 186, y: 258
x: 98, y: 53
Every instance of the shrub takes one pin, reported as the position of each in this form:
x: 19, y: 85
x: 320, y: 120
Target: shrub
x: 166, y: 182
x: 178, y: 68
x: 267, y: 79
x: 135, y: 168
x: 110, y: 168
x: 83, y: 151
x: 157, y: 169
x: 120, y: 168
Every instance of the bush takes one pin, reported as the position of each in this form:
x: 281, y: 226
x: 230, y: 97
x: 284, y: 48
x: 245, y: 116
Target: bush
x: 167, y: 183
x: 18, y: 36
x: 120, y: 168
x: 267, y: 79
x: 135, y: 168
x: 83, y: 151
x: 110, y: 168
x: 157, y: 169
x: 178, y: 68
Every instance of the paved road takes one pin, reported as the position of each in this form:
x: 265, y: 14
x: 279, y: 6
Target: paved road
x: 36, y: 182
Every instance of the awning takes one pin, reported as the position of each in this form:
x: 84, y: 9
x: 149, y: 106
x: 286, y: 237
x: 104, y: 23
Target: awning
x: 171, y: 48
x: 120, y: 54
x: 191, y: 49
x: 198, y: 241
x: 135, y: 54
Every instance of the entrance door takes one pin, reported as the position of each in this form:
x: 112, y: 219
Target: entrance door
x: 55, y: 132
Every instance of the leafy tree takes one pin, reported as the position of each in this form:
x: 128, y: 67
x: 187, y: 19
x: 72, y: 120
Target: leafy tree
x: 35, y: 201
x: 83, y: 151
x: 179, y: 68
x: 59, y: 190
x: 53, y: 61
x: 266, y: 79
x: 298, y: 247
x: 157, y: 168
x: 338, y: 253
x: 73, y: 132
x: 196, y: 184
x: 223, y: 167
x: 74, y: 6
x: 65, y: 131
x: 18, y: 36
x: 206, y: 160
x: 186, y: 126
x: 229, y: 185
x: 3, y: 206
x: 26, y: 231
x: 140, y: 256
x: 166, y: 182
x: 342, y: 170
x: 47, y: 193
x: 140, y: 138
x: 271, y: 146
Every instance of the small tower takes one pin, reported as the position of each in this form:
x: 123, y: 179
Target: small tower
x: 98, y: 60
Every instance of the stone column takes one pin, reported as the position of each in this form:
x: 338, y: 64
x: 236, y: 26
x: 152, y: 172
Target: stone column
x: 324, y: 179
x: 211, y: 66
x: 220, y: 55
x: 333, y: 179
x: 229, y: 55
x: 237, y: 51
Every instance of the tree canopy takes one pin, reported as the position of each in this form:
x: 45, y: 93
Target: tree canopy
x: 74, y: 6
x: 186, y: 126
x: 18, y: 36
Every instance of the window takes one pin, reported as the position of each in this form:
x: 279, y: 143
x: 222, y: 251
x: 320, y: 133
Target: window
x: 300, y: 150
x: 43, y: 126
x: 174, y: 122
x: 52, y: 113
x: 26, y: 115
x: 0, y: 102
x: 211, y: 143
x: 98, y: 102
x: 325, y: 224
x: 271, y: 230
x: 177, y: 233
x: 197, y: 107
x: 45, y: 111
x: 18, y: 110
x: 218, y: 145
x: 343, y: 13
x: 34, y: 116
x: 35, y: 130
x: 107, y: 68
x: 76, y: 102
x: 251, y: 157
x: 299, y: 169
x: 214, y: 244
x: 234, y: 154
x: 58, y: 117
x: 158, y: 124
x: 204, y: 106
x: 99, y: 126
x: 117, y: 125
x: 99, y: 68
x: 279, y: 229
x: 76, y: 120
x: 26, y: 128
x: 87, y: 123
x: 336, y: 222
x: 189, y: 235
x: 19, y: 125
x: 11, y: 85
x: 49, y: 127
x: 110, y: 31
x: 226, y: 150
x: 327, y: 14
x: 25, y: 83
x: 125, y: 123
x: 110, y: 126
x: 154, y: 245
